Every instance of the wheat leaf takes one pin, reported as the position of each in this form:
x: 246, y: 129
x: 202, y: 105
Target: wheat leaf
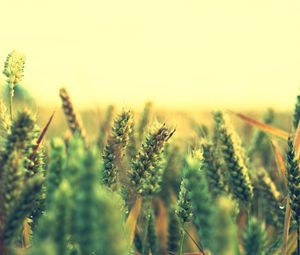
x: 131, y: 221
x: 280, y: 162
x: 262, y: 126
x: 287, y: 220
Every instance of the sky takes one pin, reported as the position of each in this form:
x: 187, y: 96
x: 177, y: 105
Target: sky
x: 177, y: 53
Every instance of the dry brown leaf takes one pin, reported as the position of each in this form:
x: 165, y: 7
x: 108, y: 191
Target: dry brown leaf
x: 26, y: 234
x: 262, y: 126
x: 297, y: 142
x: 133, y: 217
x: 280, y: 162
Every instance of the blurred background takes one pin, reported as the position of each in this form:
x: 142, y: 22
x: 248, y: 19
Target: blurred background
x: 190, y: 54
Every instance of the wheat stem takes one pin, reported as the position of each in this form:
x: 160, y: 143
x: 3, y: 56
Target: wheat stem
x: 181, y: 241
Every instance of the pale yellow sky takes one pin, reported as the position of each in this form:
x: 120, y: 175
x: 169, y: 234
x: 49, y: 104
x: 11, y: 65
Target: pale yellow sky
x: 214, y: 53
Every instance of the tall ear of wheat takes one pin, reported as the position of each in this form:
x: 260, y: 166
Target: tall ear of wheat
x: 22, y: 207
x: 184, y: 208
x: 293, y: 177
x: 145, y: 174
x: 238, y: 176
x: 271, y: 198
x: 296, y: 113
x: 213, y: 170
x: 201, y: 201
x: 73, y: 119
x: 114, y: 150
x: 13, y: 70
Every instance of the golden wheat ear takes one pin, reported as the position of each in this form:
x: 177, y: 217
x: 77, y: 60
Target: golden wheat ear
x: 73, y: 119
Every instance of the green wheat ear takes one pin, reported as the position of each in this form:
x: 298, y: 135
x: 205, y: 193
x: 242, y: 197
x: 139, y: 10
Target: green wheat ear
x: 73, y: 119
x: 213, y: 169
x: 296, y: 113
x: 184, y: 207
x: 238, y: 176
x: 201, y: 200
x: 145, y: 174
x: 254, y: 238
x: 13, y: 70
x: 271, y: 198
x: 293, y: 176
x: 114, y: 150
x: 22, y: 207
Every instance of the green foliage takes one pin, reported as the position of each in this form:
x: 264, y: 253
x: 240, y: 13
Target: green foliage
x: 171, y: 201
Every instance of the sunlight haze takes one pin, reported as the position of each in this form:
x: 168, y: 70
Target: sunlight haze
x: 189, y: 53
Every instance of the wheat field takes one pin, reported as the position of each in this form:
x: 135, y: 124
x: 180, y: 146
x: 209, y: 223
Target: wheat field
x: 144, y: 181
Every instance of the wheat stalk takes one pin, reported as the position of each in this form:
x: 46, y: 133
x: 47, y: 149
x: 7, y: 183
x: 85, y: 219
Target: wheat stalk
x: 73, y: 119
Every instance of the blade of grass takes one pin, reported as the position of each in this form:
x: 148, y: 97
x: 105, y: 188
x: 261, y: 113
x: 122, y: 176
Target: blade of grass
x: 292, y: 245
x: 44, y: 131
x: 297, y: 142
x: 26, y: 234
x: 131, y: 221
x: 264, y: 127
x: 199, y: 246
x: 280, y: 162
